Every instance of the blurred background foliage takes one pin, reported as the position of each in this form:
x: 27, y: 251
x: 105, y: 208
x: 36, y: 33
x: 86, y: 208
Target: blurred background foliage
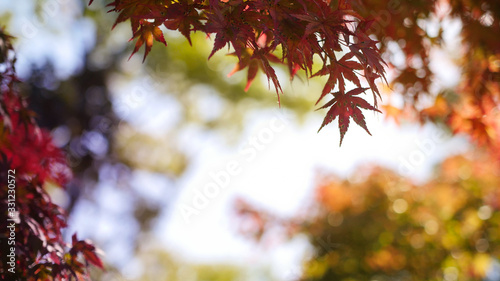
x: 381, y: 226
x: 375, y: 226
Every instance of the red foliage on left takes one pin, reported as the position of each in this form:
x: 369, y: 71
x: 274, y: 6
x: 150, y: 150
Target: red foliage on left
x: 31, y: 242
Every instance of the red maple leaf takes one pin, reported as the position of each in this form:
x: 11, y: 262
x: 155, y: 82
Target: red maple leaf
x: 146, y: 34
x: 183, y: 17
x: 347, y: 106
x: 231, y: 24
x: 344, y: 67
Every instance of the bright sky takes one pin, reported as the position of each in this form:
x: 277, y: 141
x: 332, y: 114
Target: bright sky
x: 279, y: 176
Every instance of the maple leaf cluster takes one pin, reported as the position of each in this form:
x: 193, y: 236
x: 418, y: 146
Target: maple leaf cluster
x: 478, y: 112
x: 40, y: 251
x: 267, y: 32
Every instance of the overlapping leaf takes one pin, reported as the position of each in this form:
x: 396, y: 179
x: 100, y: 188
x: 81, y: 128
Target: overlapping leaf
x: 146, y: 34
x: 346, y: 106
x: 337, y: 71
